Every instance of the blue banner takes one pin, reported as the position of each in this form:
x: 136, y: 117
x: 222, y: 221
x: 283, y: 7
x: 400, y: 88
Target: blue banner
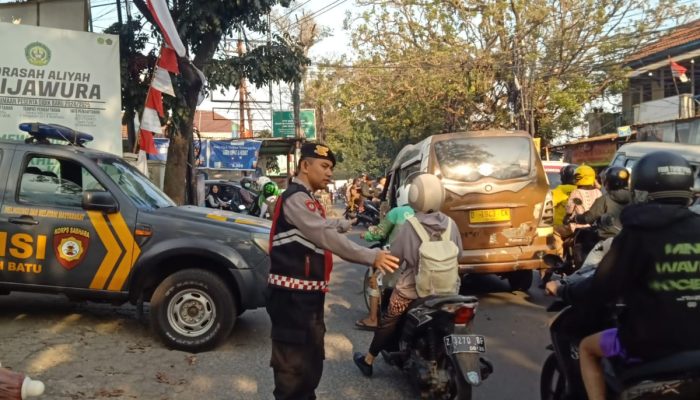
x: 237, y: 154
x: 162, y: 148
x: 162, y: 145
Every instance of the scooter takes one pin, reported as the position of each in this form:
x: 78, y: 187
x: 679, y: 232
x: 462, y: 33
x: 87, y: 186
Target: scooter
x: 675, y: 377
x: 576, y: 249
x: 369, y: 215
x: 438, y: 349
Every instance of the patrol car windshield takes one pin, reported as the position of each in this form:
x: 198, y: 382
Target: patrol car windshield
x: 468, y: 160
x: 141, y: 191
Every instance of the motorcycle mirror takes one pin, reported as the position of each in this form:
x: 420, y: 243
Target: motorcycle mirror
x: 578, y: 202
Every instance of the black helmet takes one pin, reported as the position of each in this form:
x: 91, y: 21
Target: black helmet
x: 616, y: 178
x: 567, y: 174
x: 664, y: 175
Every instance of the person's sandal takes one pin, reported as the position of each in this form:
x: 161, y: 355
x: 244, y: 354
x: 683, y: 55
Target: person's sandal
x: 362, y: 325
x: 359, y: 360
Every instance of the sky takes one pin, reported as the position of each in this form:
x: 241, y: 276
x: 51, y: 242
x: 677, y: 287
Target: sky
x: 328, y: 13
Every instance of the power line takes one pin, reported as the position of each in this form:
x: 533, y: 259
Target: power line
x: 292, y: 10
x: 317, y: 13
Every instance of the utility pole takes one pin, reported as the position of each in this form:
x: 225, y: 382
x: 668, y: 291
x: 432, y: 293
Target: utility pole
x: 241, y: 94
x: 128, y: 10
x: 119, y: 12
x: 297, y: 108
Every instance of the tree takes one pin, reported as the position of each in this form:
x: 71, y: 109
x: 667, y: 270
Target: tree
x: 303, y: 32
x: 432, y: 66
x: 134, y: 66
x: 203, y: 26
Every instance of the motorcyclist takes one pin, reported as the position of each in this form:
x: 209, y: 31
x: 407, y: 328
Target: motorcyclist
x: 582, y: 198
x: 607, y: 208
x: 266, y: 199
x: 652, y: 268
x: 560, y: 197
x: 426, y: 197
x: 606, y: 212
x: 560, y: 194
x: 385, y: 232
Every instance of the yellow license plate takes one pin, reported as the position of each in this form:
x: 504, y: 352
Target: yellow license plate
x: 495, y: 215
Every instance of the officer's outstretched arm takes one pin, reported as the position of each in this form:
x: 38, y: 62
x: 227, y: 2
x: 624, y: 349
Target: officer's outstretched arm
x: 301, y: 211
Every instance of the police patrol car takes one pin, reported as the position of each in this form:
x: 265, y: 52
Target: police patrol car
x: 86, y: 224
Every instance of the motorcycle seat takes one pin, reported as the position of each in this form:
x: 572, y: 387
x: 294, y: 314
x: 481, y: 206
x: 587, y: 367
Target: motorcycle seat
x: 678, y: 364
x: 437, y: 301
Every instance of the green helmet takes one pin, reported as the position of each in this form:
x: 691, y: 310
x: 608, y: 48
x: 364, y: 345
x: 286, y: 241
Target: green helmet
x: 270, y: 189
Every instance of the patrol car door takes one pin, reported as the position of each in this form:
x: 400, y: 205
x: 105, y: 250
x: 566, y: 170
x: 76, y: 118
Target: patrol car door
x: 50, y: 239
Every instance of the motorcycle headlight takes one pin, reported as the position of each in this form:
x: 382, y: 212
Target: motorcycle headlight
x: 262, y: 241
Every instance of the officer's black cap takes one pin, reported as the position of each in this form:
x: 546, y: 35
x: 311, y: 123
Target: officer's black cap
x: 316, y: 150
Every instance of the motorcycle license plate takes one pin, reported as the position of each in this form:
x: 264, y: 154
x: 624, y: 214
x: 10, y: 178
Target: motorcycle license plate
x: 494, y: 215
x: 465, y: 344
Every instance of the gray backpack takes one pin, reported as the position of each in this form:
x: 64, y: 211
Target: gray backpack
x: 438, y: 265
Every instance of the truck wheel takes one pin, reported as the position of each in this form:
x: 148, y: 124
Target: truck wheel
x: 520, y: 280
x: 193, y: 310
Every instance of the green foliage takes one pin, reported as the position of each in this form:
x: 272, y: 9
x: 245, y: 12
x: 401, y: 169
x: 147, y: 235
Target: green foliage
x: 133, y: 65
x: 433, y: 66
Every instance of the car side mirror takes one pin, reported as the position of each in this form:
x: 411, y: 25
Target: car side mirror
x: 98, y: 200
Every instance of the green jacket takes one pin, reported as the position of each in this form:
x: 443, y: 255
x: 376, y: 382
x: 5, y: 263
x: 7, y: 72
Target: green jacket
x: 560, y: 195
x: 386, y: 228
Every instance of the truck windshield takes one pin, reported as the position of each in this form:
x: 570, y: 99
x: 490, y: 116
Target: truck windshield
x: 141, y: 191
x: 470, y: 159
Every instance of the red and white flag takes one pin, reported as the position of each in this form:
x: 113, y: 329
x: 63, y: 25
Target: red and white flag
x: 161, y: 82
x: 161, y: 13
x: 678, y: 71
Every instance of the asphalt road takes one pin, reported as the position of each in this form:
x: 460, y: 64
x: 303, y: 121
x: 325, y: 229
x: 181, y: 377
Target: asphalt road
x: 97, y: 351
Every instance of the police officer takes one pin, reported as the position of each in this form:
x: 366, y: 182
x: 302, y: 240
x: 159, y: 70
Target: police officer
x: 303, y: 241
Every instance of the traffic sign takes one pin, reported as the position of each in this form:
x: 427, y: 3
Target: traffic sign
x: 283, y: 123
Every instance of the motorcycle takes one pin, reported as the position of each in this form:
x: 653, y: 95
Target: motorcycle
x: 369, y: 215
x: 676, y: 376
x: 438, y: 350
x: 576, y: 249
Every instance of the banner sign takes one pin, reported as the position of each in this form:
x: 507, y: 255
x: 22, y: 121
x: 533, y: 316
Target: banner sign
x: 162, y: 145
x: 63, y: 77
x: 238, y: 154
x: 283, y: 123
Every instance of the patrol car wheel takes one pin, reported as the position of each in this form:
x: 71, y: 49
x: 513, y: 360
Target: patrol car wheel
x: 193, y: 310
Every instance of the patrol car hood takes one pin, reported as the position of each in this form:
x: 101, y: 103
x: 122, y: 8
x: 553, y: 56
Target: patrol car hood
x: 214, y: 217
x: 653, y: 215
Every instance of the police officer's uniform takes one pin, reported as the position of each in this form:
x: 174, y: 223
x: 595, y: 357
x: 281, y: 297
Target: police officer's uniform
x: 301, y: 243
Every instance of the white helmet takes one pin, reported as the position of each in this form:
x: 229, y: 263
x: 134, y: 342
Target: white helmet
x: 426, y: 193
x: 262, y: 181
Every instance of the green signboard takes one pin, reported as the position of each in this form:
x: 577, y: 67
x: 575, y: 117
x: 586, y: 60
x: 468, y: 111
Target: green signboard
x: 283, y: 124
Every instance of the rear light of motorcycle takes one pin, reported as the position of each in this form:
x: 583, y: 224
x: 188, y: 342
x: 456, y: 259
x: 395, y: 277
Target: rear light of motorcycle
x: 463, y: 315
